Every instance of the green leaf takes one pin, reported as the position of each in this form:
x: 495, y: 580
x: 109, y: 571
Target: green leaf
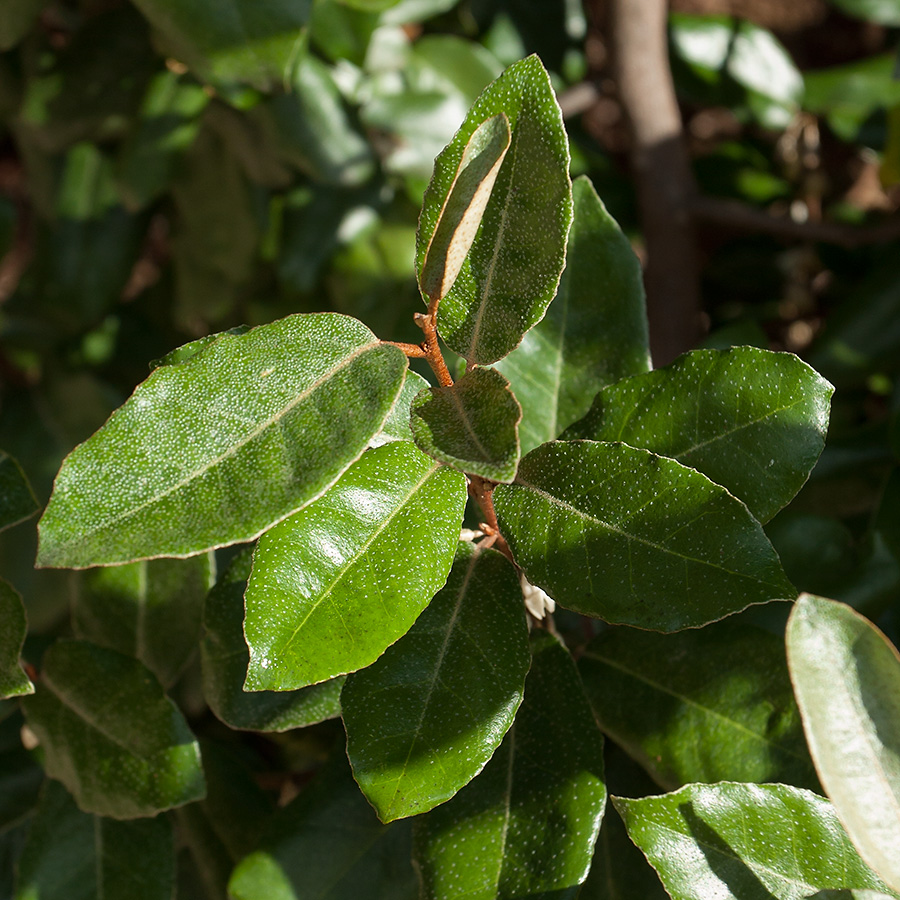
x: 635, y: 538
x: 73, y: 855
x: 513, y: 267
x: 751, y: 420
x: 744, y: 840
x: 594, y: 333
x: 709, y: 705
x: 262, y: 422
x: 95, y: 704
x: 884, y: 12
x: 17, y: 500
x: 846, y: 676
x: 336, y: 584
x: 396, y: 425
x: 472, y: 424
x: 328, y: 845
x: 13, y: 627
x: 526, y: 826
x: 424, y: 719
x: 21, y: 777
x: 224, y: 657
x: 148, y: 610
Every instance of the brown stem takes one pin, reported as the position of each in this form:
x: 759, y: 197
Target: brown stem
x: 432, y: 348
x: 414, y: 351
x: 482, y: 492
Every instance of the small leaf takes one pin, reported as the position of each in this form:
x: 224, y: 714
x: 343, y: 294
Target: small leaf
x: 847, y: 679
x: 336, y: 584
x: 17, y: 500
x: 73, y: 854
x: 751, y: 420
x: 526, y: 826
x: 224, y: 658
x: 95, y: 704
x: 744, y: 840
x: 215, y: 450
x: 411, y: 739
x: 13, y: 628
x: 472, y: 424
x: 635, y: 538
x: 396, y: 425
x: 464, y: 207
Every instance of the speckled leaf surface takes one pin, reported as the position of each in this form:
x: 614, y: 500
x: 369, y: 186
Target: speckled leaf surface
x: 749, y: 419
x: 73, y: 855
x: 17, y: 500
x: 472, y: 424
x: 634, y: 538
x: 328, y: 845
x: 424, y: 719
x: 150, y: 610
x: 215, y: 450
x: 595, y: 330
x: 336, y: 584
x: 13, y: 681
x: 513, y: 267
x: 527, y: 825
x: 224, y: 658
x: 846, y: 676
x: 396, y: 425
x: 738, y: 841
x: 92, y: 703
x: 707, y: 705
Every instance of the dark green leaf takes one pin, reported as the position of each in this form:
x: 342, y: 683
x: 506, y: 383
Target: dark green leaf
x: 424, y: 719
x: 17, y: 500
x: 513, y: 268
x: 884, y: 12
x: 336, y: 584
x: 594, y: 333
x: 224, y: 656
x: 472, y: 424
x: 740, y: 841
x: 709, y: 705
x: 95, y: 704
x: 13, y: 681
x: 750, y: 420
x: 526, y: 826
x: 635, y: 538
x: 396, y: 425
x: 847, y: 678
x: 21, y: 776
x: 341, y: 32
x: 370, y: 5
x: 263, y: 423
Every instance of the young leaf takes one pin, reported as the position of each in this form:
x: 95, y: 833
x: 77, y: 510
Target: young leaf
x: 744, y: 840
x: 396, y: 425
x: 847, y: 679
x: 411, y: 739
x: 512, y: 270
x: 13, y: 627
x: 594, y: 333
x: 635, y: 538
x: 751, y: 420
x: 336, y: 584
x: 17, y: 500
x: 464, y: 207
x: 73, y: 854
x: 215, y: 450
x: 92, y: 703
x: 472, y: 424
x: 224, y: 658
x: 526, y: 826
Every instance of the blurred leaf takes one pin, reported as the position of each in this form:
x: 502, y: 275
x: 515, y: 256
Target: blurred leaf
x: 16, y: 19
x: 884, y: 12
x: 13, y: 680
x: 17, y: 500
x: 471, y: 642
x: 21, y: 776
x: 341, y: 32
x: 370, y: 5
x: 405, y: 12
x: 396, y: 426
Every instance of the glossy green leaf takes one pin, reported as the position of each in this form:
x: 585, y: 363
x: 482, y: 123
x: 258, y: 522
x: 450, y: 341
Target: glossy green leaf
x: 472, y: 424
x: 336, y: 584
x: 13, y: 681
x: 328, y: 845
x: 751, y: 420
x: 513, y: 267
x: 884, y: 12
x: 424, y: 719
x: 737, y: 841
x: 396, y: 425
x: 148, y: 610
x: 713, y: 704
x: 263, y: 423
x: 526, y: 826
x: 224, y: 657
x: 73, y: 855
x: 92, y: 703
x: 635, y: 538
x: 846, y: 676
x: 594, y: 333
x: 17, y: 500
